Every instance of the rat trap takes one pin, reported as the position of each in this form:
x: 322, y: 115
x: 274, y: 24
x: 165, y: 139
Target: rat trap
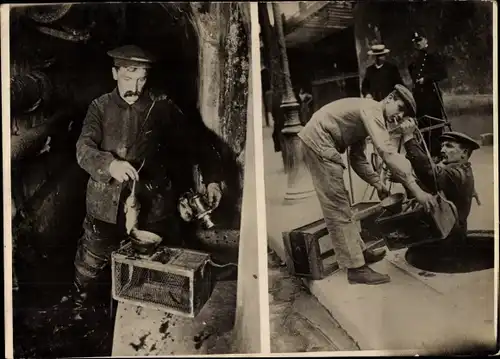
x: 177, y: 281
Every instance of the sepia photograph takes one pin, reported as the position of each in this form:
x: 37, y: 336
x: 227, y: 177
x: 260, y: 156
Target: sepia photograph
x: 128, y: 127
x: 379, y: 166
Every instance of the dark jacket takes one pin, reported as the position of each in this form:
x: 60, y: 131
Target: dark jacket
x: 167, y: 141
x: 455, y: 180
x: 427, y: 95
x: 380, y: 82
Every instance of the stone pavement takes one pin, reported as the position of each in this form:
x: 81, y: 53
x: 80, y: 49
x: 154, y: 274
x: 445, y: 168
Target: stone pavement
x: 406, y: 313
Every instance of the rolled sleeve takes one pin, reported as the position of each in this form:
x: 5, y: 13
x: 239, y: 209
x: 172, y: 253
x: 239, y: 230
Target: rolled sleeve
x: 373, y: 119
x: 88, y: 155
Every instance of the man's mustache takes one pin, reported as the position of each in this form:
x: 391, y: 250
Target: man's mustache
x: 131, y: 94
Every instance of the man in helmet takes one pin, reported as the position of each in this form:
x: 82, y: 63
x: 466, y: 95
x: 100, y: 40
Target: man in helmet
x: 426, y: 71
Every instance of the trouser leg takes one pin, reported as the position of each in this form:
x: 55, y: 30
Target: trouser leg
x: 94, y: 250
x: 328, y: 181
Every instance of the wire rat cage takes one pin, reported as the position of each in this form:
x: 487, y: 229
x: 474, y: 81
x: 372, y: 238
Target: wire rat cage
x: 177, y: 281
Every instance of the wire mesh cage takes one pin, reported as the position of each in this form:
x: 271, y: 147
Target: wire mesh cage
x: 177, y: 281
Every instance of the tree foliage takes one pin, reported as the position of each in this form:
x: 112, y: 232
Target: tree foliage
x: 460, y: 32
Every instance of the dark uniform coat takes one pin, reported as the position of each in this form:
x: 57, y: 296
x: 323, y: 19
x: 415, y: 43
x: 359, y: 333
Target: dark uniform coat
x: 380, y: 82
x: 455, y: 180
x: 153, y: 131
x: 428, y: 95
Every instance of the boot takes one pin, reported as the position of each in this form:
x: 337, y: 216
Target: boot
x: 366, y: 275
x: 374, y: 255
x: 75, y: 301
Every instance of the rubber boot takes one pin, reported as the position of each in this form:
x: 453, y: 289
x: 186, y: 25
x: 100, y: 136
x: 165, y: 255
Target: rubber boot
x: 75, y: 301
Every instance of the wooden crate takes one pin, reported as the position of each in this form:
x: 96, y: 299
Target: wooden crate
x: 309, y: 251
x: 177, y: 281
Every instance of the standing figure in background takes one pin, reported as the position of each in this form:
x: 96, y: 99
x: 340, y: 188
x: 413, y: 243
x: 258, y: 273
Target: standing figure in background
x: 305, y: 106
x: 381, y: 77
x: 426, y: 71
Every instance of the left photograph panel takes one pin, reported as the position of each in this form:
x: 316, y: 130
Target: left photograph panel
x: 128, y: 126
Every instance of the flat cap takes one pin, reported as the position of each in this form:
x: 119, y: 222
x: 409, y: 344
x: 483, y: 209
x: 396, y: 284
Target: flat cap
x: 408, y: 99
x: 131, y: 55
x: 460, y: 138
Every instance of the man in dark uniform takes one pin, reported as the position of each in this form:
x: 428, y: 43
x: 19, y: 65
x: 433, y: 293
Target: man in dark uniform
x: 381, y: 77
x: 426, y: 71
x: 453, y: 173
x: 124, y: 130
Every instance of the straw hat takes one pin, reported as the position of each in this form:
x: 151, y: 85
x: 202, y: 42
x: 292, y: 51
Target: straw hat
x: 377, y: 50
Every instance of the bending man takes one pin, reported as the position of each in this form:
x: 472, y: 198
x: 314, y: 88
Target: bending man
x: 343, y: 124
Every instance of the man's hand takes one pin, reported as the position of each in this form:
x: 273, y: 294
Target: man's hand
x: 123, y: 171
x: 426, y: 200
x: 214, y: 195
x: 393, y: 178
x: 382, y: 190
x: 407, y: 126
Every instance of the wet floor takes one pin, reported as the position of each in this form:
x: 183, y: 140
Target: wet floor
x: 298, y: 322
x: 144, y: 331
x: 45, y: 327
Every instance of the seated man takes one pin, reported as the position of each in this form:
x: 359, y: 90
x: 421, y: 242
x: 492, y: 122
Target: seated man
x: 345, y: 124
x: 453, y: 173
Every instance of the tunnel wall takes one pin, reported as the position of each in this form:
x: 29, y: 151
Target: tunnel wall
x: 48, y: 187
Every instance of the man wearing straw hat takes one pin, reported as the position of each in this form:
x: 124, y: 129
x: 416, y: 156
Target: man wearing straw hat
x: 130, y: 135
x: 343, y: 124
x: 381, y: 77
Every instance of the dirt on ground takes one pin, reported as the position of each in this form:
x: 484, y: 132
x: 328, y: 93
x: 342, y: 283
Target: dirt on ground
x: 298, y: 322
x: 45, y: 326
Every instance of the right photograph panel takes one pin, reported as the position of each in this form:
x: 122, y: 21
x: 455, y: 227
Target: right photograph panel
x: 379, y: 175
